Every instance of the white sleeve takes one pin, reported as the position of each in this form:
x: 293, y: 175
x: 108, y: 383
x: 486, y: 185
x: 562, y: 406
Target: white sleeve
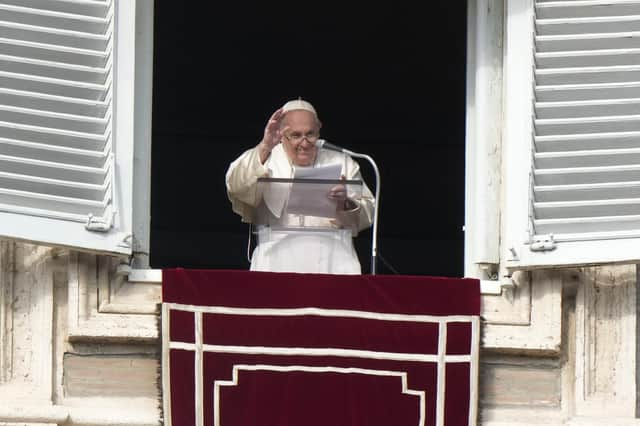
x: 241, y: 181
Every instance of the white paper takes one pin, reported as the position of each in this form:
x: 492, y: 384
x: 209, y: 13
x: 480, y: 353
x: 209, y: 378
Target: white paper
x: 311, y: 199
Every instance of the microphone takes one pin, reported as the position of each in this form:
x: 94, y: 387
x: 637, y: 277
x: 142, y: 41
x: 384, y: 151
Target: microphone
x: 321, y: 143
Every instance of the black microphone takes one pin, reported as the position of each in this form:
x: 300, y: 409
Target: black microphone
x: 321, y: 143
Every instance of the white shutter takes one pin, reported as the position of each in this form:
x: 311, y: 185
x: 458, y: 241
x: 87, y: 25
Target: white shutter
x: 62, y: 180
x: 584, y: 180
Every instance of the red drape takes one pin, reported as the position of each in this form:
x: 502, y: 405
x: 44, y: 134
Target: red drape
x: 254, y: 348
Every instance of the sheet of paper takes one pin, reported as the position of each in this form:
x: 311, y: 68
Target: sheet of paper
x: 311, y: 199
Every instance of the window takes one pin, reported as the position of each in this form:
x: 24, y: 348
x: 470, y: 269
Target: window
x: 571, y: 142
x: 75, y: 82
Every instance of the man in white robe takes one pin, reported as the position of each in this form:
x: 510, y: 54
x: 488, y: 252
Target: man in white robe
x: 293, y: 243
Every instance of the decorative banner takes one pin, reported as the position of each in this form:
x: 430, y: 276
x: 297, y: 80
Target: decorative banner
x: 247, y: 348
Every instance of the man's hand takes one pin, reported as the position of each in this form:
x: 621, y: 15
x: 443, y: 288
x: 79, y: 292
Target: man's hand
x: 272, y: 135
x: 338, y: 193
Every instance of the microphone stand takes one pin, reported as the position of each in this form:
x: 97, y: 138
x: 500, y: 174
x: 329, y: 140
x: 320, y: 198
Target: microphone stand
x: 374, y: 239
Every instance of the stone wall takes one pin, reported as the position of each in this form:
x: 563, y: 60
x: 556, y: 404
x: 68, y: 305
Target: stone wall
x: 79, y: 344
x: 569, y: 357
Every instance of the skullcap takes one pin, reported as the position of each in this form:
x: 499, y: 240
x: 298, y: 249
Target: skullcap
x: 298, y: 104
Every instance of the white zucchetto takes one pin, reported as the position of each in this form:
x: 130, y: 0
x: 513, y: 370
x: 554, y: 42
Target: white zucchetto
x: 298, y: 104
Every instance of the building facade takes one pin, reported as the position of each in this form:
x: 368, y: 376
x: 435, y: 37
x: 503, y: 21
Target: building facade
x: 551, y: 222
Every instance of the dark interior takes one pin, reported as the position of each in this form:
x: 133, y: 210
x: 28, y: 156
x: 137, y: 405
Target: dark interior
x: 387, y: 80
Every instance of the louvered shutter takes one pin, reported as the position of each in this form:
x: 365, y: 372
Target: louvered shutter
x: 583, y: 183
x: 62, y: 180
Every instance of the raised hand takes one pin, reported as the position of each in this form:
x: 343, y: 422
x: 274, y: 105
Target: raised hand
x: 272, y: 135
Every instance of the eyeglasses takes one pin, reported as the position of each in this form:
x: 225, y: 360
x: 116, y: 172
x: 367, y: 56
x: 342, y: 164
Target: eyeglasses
x: 311, y: 137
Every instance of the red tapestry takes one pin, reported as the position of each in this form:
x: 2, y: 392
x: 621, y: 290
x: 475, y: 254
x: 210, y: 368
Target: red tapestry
x: 247, y: 348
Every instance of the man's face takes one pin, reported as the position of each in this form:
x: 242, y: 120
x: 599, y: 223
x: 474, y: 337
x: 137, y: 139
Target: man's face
x: 301, y: 129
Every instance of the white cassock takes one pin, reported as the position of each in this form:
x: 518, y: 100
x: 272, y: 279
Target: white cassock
x: 330, y: 251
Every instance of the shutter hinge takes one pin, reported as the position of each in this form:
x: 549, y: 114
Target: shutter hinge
x: 100, y: 224
x: 543, y: 243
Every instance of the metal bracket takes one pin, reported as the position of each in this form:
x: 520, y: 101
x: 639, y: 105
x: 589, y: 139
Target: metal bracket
x: 100, y: 224
x: 543, y: 243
